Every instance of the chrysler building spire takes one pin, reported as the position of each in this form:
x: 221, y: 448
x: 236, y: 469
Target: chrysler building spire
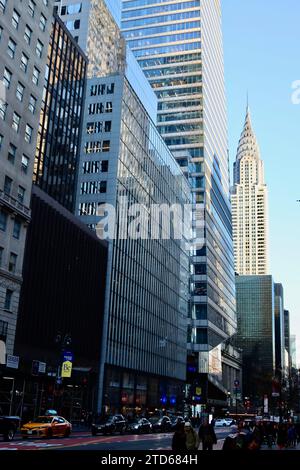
x: 249, y: 205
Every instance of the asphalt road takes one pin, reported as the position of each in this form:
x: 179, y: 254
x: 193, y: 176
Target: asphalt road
x: 85, y: 441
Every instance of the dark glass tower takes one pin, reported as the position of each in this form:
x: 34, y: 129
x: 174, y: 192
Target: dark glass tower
x: 58, y: 144
x: 179, y: 47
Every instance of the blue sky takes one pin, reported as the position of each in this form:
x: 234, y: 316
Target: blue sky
x: 262, y: 55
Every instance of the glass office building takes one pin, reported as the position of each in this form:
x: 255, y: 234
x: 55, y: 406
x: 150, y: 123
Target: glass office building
x: 255, y: 296
x: 58, y: 143
x: 178, y: 44
x: 124, y: 161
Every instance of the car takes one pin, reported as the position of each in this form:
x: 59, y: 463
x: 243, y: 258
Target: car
x: 222, y: 422
x: 139, y: 426
x: 163, y: 424
x: 8, y: 426
x: 177, y: 420
x: 109, y: 425
x: 47, y: 426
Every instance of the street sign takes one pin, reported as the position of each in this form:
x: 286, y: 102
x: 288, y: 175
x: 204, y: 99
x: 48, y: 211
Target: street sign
x: 66, y: 369
x: 67, y: 356
x: 42, y: 367
x: 12, y: 361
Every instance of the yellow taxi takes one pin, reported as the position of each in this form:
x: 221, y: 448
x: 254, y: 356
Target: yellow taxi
x: 47, y: 426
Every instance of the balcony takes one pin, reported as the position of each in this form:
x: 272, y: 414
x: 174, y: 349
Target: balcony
x: 15, y: 205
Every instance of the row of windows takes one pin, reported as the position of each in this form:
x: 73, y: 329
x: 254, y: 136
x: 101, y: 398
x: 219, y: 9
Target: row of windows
x: 97, y: 146
x: 12, y: 262
x: 162, y: 29
x: 93, y: 187
x: 168, y: 49
x: 102, y: 89
x: 95, y: 167
x: 98, y: 127
x: 164, y: 18
x: 69, y: 9
x: 161, y: 9
x: 11, y: 156
x: 20, y: 90
x: 8, y: 183
x: 16, y: 121
x: 150, y: 42
x: 3, y: 225
x: 100, y: 108
x: 31, y: 6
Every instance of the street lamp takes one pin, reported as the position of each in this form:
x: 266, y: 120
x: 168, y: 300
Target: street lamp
x: 12, y: 391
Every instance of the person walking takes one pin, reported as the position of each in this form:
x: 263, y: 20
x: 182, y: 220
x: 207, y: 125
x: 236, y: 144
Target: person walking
x: 207, y: 435
x: 192, y: 439
x: 179, y: 439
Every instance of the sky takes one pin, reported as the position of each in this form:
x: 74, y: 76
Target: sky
x: 262, y: 56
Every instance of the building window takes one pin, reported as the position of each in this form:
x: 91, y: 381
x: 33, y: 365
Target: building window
x: 32, y: 104
x: 43, y: 22
x: 3, y: 220
x: 35, y: 76
x: 3, y: 108
x: 27, y: 34
x: 28, y: 133
x: 8, y: 299
x: 20, y: 91
x: 11, y: 48
x: 31, y: 8
x: 3, y: 5
x: 107, y: 126
x: 106, y: 146
x: 17, y: 229
x: 25, y: 164
x: 12, y: 263
x: 1, y: 255
x: 7, y: 78
x: 7, y: 185
x: 15, y: 19
x: 110, y: 89
x: 21, y: 194
x: 16, y: 122
x: 39, y: 48
x: 24, y: 62
x: 12, y: 151
x: 103, y: 185
x: 108, y: 107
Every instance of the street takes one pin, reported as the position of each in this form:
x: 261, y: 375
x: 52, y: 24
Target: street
x: 85, y: 441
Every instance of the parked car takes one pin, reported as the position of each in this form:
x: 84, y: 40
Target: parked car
x: 163, y: 424
x: 9, y: 426
x: 177, y: 420
x: 139, y: 426
x: 109, y: 425
x: 47, y: 426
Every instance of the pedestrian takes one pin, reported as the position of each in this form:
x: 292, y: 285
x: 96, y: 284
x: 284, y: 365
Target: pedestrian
x: 192, y: 439
x: 179, y: 439
x: 207, y: 435
x: 282, y: 436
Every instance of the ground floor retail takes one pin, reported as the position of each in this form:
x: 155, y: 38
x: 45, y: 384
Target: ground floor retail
x: 28, y: 396
x: 133, y: 392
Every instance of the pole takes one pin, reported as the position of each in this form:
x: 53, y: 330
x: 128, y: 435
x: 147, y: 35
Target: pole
x: 236, y: 407
x: 12, y: 397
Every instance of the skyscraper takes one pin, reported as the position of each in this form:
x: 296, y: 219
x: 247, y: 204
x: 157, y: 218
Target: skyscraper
x: 58, y: 143
x: 178, y: 44
x: 24, y: 36
x: 249, y: 206
x: 256, y: 334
